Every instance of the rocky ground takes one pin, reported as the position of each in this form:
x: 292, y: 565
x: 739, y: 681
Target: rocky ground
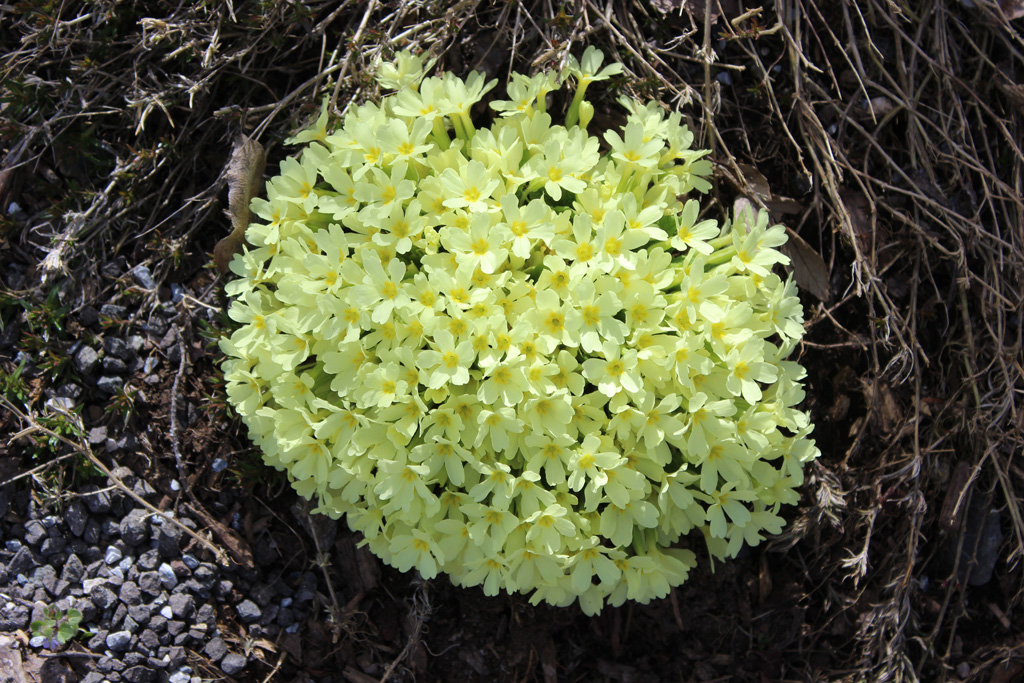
x: 154, y: 606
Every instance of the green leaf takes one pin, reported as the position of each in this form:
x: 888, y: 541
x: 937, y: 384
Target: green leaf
x: 66, y: 632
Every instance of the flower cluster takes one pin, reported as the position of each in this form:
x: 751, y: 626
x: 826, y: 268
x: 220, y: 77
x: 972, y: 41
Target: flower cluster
x: 510, y: 356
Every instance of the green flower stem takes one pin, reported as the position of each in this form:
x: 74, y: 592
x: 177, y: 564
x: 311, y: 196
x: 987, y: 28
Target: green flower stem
x: 721, y: 241
x: 639, y: 540
x: 627, y: 177
x: 535, y: 185
x: 573, y: 115
x: 440, y: 134
x: 467, y: 123
x: 460, y: 131
x: 721, y: 256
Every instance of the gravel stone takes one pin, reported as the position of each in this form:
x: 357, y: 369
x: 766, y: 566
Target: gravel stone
x: 215, y: 649
x: 175, y: 627
x: 114, y: 366
x: 113, y: 555
x: 21, y: 562
x: 86, y: 360
x: 109, y: 384
x: 182, y: 605
x: 98, y: 641
x: 91, y: 535
x: 52, y: 546
x: 206, y: 615
x: 142, y: 488
x: 102, y: 596
x: 35, y: 532
x: 205, y: 576
x: 135, y: 343
x: 120, y: 612
x: 89, y: 584
x: 92, y: 677
x: 135, y: 527
x: 115, y: 347
x: 149, y: 582
x: 167, y: 576
x: 143, y: 277
x: 106, y: 664
x: 177, y: 657
x: 125, y: 475
x: 167, y: 540
x: 110, y: 527
x: 129, y: 624
x: 138, y: 674
x: 75, y: 517
x: 88, y: 316
x: 97, y: 435
x: 69, y: 390
x: 119, y: 641
x: 179, y: 677
x: 149, y: 559
x: 14, y: 616
x: 155, y: 326
x: 73, y: 569
x: 149, y: 639
x: 46, y: 576
x: 130, y: 594
x: 233, y: 664
x: 112, y: 310
x: 248, y: 611
x: 97, y: 500
x: 140, y: 613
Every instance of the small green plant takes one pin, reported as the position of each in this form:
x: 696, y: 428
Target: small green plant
x: 122, y: 403
x: 13, y: 385
x: 57, y: 626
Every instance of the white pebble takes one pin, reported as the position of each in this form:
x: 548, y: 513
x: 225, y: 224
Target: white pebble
x: 113, y: 555
x: 168, y: 579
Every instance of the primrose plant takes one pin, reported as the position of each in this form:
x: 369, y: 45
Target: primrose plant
x: 518, y: 354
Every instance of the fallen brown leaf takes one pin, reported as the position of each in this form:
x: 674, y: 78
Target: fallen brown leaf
x: 756, y: 182
x: 244, y: 175
x: 1013, y: 9
x: 809, y: 267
